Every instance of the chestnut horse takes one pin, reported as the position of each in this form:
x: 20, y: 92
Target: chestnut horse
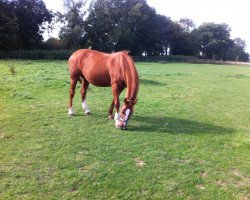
x: 104, y: 70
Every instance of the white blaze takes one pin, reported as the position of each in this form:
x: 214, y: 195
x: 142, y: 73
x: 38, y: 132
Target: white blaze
x: 117, y: 118
x: 127, y: 114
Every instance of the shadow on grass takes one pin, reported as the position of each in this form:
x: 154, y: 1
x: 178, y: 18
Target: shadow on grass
x: 150, y: 82
x: 172, y: 125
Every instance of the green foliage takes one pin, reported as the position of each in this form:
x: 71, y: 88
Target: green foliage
x: 8, y: 26
x: 31, y: 14
x: 21, y: 23
x: 65, y: 54
x: 215, y: 43
x: 184, y: 39
x: 52, y: 44
x: 72, y: 33
x: 109, y: 26
x: 170, y: 58
x: 238, y: 51
x: 131, y: 25
x: 188, y: 137
x: 214, y: 40
x: 37, y: 54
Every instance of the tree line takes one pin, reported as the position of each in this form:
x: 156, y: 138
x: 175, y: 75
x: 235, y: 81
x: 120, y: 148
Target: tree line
x: 113, y: 25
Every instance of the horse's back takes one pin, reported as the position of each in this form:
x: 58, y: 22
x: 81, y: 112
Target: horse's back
x: 80, y: 55
x: 92, y: 65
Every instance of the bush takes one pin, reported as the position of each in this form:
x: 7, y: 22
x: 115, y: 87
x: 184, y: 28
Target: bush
x: 65, y: 54
x: 170, y: 58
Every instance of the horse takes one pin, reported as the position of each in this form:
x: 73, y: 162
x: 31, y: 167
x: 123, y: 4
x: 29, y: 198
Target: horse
x: 104, y: 70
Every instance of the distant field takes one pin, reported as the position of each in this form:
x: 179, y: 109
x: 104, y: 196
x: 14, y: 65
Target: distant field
x: 189, y: 137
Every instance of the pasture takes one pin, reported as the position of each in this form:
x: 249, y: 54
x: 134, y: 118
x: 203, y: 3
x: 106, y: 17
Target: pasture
x: 188, y: 138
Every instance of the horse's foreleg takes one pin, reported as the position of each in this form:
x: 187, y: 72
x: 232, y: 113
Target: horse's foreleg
x: 85, y: 85
x: 73, y: 82
x: 116, y: 102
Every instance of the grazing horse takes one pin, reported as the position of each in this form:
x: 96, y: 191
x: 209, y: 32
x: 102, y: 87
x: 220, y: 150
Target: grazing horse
x: 104, y: 70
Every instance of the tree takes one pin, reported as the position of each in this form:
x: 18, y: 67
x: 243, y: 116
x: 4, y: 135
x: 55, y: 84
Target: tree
x: 52, y: 44
x: 30, y: 15
x: 184, y: 38
x: 72, y: 33
x: 214, y: 39
x: 187, y: 25
x: 21, y: 23
x: 237, y: 53
x: 126, y: 24
x: 8, y: 26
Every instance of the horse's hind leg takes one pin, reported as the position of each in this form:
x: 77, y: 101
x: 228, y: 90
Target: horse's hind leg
x: 85, y: 85
x: 73, y: 82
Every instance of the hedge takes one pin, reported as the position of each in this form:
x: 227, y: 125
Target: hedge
x: 37, y: 55
x: 65, y: 54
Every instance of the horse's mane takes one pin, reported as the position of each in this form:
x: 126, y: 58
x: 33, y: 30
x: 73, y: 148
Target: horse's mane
x: 123, y: 51
x: 129, y: 73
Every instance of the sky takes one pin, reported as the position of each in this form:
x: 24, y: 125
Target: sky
x: 235, y: 13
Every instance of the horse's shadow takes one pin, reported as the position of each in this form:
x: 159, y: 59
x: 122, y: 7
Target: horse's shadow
x: 150, y: 82
x: 171, y: 125
x: 150, y: 124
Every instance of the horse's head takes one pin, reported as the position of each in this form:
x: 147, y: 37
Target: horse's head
x: 125, y: 113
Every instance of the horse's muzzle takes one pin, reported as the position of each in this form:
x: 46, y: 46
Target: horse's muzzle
x: 121, y: 122
x: 121, y: 125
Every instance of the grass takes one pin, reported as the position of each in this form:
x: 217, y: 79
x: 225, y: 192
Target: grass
x: 188, y: 138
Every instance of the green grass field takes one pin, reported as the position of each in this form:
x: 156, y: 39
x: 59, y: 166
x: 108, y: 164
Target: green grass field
x: 188, y: 138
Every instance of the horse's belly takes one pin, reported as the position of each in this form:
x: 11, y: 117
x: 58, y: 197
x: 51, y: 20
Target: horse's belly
x: 101, y: 83
x: 99, y: 79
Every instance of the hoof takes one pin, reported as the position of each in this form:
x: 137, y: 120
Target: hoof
x: 71, y: 112
x: 88, y: 113
x: 110, y: 117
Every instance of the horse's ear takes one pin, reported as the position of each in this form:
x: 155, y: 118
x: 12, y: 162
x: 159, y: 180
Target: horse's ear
x: 135, y: 101
x: 126, y: 52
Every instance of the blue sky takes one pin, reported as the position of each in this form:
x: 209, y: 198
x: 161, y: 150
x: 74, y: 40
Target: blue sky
x: 236, y: 13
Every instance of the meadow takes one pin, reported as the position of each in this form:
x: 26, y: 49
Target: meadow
x: 188, y: 138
